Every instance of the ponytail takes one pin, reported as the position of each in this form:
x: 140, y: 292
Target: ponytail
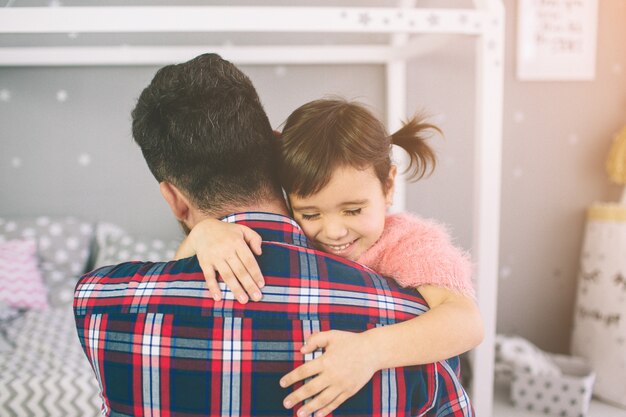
x: 412, y: 138
x: 323, y: 135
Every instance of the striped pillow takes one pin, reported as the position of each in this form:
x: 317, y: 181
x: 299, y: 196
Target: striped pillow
x: 21, y: 282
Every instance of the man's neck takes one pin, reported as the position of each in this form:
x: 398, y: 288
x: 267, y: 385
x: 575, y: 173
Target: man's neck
x: 274, y: 206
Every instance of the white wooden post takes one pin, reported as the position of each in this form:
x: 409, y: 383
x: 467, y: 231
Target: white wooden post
x: 489, y: 90
x: 396, y: 110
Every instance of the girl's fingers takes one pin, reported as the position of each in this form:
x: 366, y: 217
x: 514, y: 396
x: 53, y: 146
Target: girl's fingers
x: 245, y: 280
x: 208, y: 270
x: 253, y: 239
x: 321, y: 401
x: 314, y: 342
x: 300, y: 373
x: 211, y: 282
x: 231, y: 282
x: 250, y: 264
x: 308, y: 390
x: 332, y: 406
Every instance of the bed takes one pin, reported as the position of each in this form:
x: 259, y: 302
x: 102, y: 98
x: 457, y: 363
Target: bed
x: 43, y: 370
x: 406, y: 28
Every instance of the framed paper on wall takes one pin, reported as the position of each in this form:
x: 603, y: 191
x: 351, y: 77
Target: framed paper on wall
x: 556, y: 40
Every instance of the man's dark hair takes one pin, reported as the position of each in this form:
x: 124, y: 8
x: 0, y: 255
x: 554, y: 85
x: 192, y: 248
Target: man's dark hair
x: 201, y: 127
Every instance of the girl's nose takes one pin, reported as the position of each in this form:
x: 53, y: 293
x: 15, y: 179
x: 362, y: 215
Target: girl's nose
x: 335, y: 230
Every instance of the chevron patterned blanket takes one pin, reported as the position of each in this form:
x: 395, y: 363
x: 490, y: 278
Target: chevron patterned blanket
x: 44, y: 372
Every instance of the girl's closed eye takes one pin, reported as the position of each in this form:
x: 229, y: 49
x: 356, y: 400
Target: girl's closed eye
x: 311, y: 216
x: 353, y: 212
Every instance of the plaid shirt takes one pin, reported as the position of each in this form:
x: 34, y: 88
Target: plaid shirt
x: 160, y: 346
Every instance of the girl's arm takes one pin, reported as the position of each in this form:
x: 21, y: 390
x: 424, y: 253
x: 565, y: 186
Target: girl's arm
x: 451, y: 327
x: 228, y: 249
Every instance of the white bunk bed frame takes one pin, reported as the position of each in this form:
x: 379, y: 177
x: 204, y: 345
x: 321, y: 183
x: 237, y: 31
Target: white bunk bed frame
x: 484, y: 22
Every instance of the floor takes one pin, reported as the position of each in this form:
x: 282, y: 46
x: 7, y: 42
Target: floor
x: 503, y: 407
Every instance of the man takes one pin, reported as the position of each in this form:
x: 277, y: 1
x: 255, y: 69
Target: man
x: 158, y: 342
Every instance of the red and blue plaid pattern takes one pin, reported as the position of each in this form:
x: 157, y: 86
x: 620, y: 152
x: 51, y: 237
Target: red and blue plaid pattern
x: 160, y: 346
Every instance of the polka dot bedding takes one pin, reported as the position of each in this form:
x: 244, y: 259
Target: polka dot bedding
x: 42, y: 367
x: 63, y: 250
x: 115, y: 245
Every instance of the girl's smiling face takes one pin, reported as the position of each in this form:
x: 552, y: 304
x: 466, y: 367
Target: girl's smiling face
x: 347, y: 216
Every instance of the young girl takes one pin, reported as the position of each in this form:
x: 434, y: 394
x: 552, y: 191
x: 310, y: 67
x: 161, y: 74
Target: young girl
x: 339, y: 179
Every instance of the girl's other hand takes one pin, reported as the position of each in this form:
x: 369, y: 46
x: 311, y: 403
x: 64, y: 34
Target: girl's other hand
x: 228, y: 249
x: 347, y: 364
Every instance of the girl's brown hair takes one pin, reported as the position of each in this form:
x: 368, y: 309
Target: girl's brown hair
x: 327, y: 134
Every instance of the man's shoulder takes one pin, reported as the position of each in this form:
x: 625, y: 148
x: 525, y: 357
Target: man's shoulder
x: 126, y: 276
x: 135, y: 270
x: 309, y: 253
x: 134, y: 287
x: 295, y: 276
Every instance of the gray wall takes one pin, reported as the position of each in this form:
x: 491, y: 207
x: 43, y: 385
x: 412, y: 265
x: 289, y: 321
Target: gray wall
x: 65, y: 147
x: 556, y: 139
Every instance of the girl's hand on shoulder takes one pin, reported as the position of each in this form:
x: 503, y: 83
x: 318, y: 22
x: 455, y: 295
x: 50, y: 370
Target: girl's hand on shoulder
x: 227, y: 249
x: 347, y: 364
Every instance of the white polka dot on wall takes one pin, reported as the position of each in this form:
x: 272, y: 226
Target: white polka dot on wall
x: 55, y: 229
x: 66, y: 295
x: 449, y: 161
x: 505, y: 272
x: 72, y: 243
x: 56, y: 276
x: 16, y: 162
x: 572, y: 138
x: 61, y: 256
x: 72, y: 35
x: 5, y: 95
x: 617, y: 68
x: 43, y: 221
x: 519, y: 116
x: 280, y: 71
x: 439, y: 118
x: 44, y: 242
x: 76, y: 268
x: 84, y: 159
x: 28, y: 232
x: 518, y: 172
x: 61, y: 96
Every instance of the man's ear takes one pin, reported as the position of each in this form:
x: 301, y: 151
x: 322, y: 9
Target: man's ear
x: 176, y: 200
x: 390, y: 185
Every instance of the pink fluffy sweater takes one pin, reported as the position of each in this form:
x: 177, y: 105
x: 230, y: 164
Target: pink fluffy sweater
x: 414, y: 251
